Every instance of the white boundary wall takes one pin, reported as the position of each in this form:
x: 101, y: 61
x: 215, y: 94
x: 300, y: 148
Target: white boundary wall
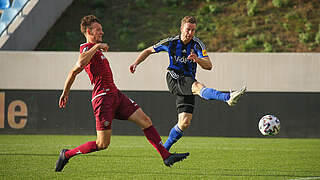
x: 272, y: 72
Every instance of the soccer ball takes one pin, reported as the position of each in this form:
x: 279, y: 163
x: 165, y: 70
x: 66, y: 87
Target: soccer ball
x: 269, y: 125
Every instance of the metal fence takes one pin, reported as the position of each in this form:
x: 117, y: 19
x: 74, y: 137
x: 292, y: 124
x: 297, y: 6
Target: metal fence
x: 10, y: 13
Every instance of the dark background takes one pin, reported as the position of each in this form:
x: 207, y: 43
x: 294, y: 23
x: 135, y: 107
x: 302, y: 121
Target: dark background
x: 298, y: 113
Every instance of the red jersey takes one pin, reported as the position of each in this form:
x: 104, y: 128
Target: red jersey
x: 99, y: 72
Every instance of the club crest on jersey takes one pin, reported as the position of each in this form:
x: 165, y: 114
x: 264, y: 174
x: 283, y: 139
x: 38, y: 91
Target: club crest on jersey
x: 106, y: 123
x: 103, y: 57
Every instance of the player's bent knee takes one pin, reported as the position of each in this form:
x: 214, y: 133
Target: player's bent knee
x: 196, y: 87
x: 184, y: 120
x: 147, y: 121
x: 185, y: 125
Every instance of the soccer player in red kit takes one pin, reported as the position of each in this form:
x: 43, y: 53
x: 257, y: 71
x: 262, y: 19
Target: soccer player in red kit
x: 107, y: 101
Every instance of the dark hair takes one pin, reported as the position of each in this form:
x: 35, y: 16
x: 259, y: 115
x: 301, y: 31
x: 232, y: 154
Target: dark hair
x: 87, y: 21
x: 188, y: 19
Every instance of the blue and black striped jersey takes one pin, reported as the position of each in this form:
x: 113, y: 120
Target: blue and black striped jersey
x: 178, y: 53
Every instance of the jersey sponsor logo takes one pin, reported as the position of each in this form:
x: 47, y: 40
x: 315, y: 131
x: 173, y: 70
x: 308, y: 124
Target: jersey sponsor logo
x: 182, y: 59
x: 204, y: 52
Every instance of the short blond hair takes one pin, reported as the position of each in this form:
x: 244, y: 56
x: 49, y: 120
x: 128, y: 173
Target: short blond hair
x: 188, y: 19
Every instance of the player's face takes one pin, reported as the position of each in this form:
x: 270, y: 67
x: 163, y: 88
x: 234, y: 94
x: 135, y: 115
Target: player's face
x: 187, y: 31
x: 96, y: 32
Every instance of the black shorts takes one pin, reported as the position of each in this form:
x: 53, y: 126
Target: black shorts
x: 181, y: 87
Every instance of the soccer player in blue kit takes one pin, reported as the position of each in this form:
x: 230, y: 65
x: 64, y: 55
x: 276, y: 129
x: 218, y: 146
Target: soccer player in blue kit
x: 186, y: 52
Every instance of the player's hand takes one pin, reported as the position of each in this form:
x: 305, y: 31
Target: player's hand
x: 132, y: 68
x: 103, y: 47
x: 63, y: 101
x: 193, y: 57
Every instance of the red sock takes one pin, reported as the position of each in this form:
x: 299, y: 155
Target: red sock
x: 155, y: 139
x: 82, y: 149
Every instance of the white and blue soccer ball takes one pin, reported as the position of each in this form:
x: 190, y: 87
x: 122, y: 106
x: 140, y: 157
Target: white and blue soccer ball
x: 269, y: 125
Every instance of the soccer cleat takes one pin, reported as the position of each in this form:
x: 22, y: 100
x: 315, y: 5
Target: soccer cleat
x: 175, y: 157
x: 235, y: 95
x: 62, y: 161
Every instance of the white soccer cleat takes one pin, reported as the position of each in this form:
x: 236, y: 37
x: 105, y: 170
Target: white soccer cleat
x: 235, y: 95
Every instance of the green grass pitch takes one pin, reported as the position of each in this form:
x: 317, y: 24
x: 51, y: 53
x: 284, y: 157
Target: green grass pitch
x: 132, y: 157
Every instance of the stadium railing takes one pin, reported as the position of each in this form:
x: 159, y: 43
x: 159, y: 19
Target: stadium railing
x: 19, y: 4
x: 4, y: 4
x: 9, y: 14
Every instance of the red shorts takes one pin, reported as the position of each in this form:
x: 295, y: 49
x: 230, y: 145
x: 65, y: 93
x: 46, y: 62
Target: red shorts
x: 112, y: 106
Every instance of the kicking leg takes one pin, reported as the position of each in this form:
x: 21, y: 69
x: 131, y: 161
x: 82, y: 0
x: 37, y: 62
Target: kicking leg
x: 210, y: 93
x: 235, y: 95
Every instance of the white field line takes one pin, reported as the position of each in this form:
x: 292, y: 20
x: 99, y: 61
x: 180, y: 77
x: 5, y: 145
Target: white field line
x: 306, y: 178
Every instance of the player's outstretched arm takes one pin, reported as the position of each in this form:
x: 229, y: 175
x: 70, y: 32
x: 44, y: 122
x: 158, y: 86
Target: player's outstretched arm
x: 141, y: 57
x: 67, y: 85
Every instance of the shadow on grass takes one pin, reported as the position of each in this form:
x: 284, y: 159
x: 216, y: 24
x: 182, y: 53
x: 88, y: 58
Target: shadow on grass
x: 90, y: 155
x: 25, y: 154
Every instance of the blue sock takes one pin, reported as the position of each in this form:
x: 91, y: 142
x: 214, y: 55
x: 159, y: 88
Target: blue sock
x: 175, y: 134
x: 209, y: 93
